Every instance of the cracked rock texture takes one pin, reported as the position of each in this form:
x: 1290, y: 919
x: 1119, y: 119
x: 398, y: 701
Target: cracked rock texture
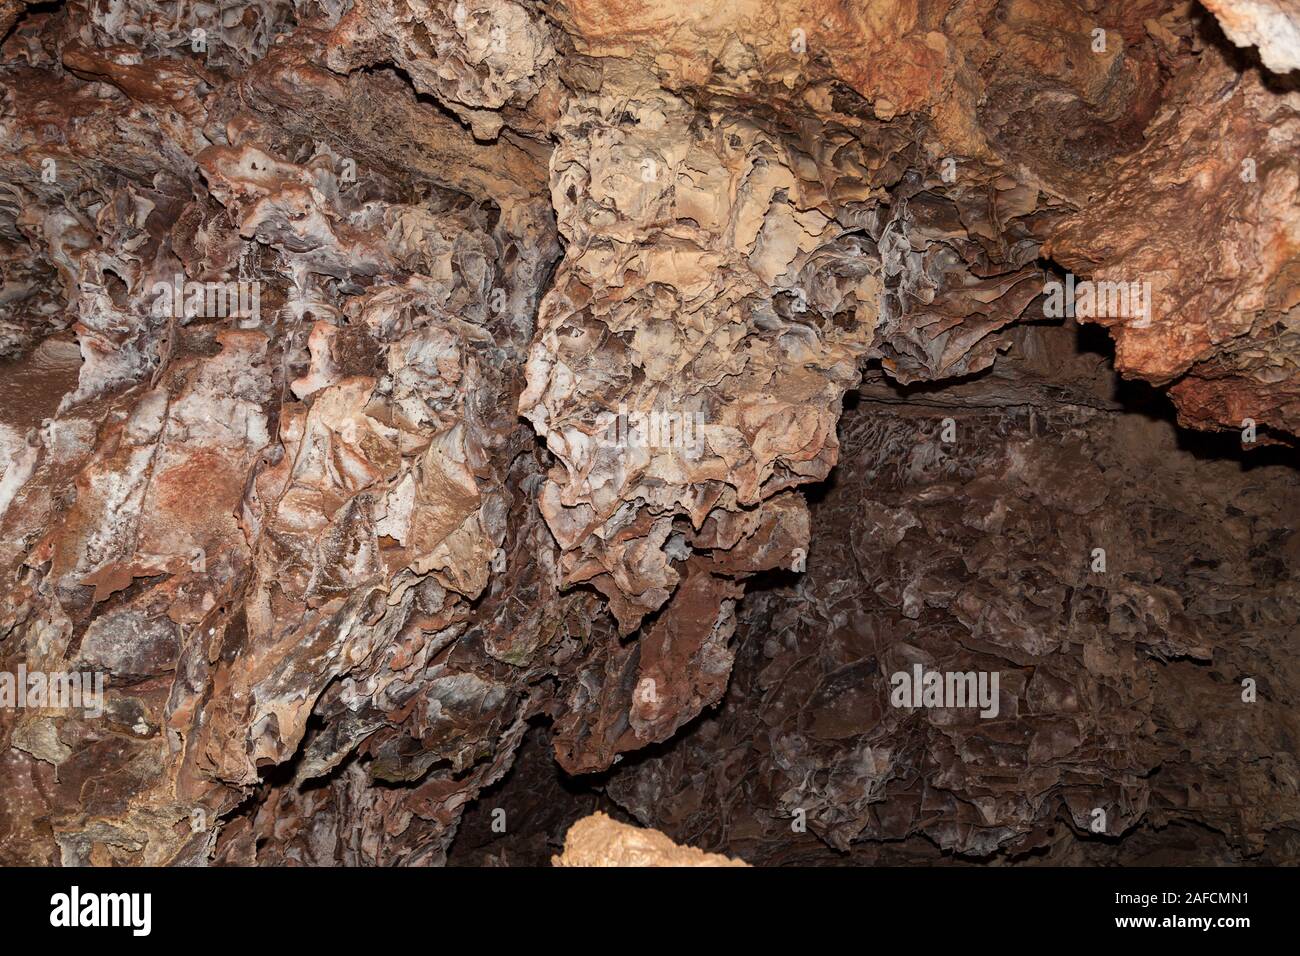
x: 411, y: 404
x: 1120, y: 690
x: 599, y: 841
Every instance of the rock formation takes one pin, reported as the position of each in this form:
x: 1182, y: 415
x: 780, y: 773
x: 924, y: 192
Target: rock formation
x: 599, y: 841
x: 415, y: 408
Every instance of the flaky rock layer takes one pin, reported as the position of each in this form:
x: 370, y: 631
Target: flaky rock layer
x: 383, y: 380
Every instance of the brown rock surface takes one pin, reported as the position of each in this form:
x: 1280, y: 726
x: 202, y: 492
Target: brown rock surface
x: 390, y: 385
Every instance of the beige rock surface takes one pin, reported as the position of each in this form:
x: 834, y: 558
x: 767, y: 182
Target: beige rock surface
x: 598, y: 840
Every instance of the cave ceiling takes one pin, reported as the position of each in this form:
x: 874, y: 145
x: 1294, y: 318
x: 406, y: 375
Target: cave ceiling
x: 402, y: 401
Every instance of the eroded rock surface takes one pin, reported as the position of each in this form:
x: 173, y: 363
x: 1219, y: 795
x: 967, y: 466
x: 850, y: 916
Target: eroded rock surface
x: 381, y: 380
x: 599, y: 841
x: 1119, y: 708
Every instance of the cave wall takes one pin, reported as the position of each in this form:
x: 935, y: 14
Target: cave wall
x: 338, y: 546
x: 1120, y: 675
